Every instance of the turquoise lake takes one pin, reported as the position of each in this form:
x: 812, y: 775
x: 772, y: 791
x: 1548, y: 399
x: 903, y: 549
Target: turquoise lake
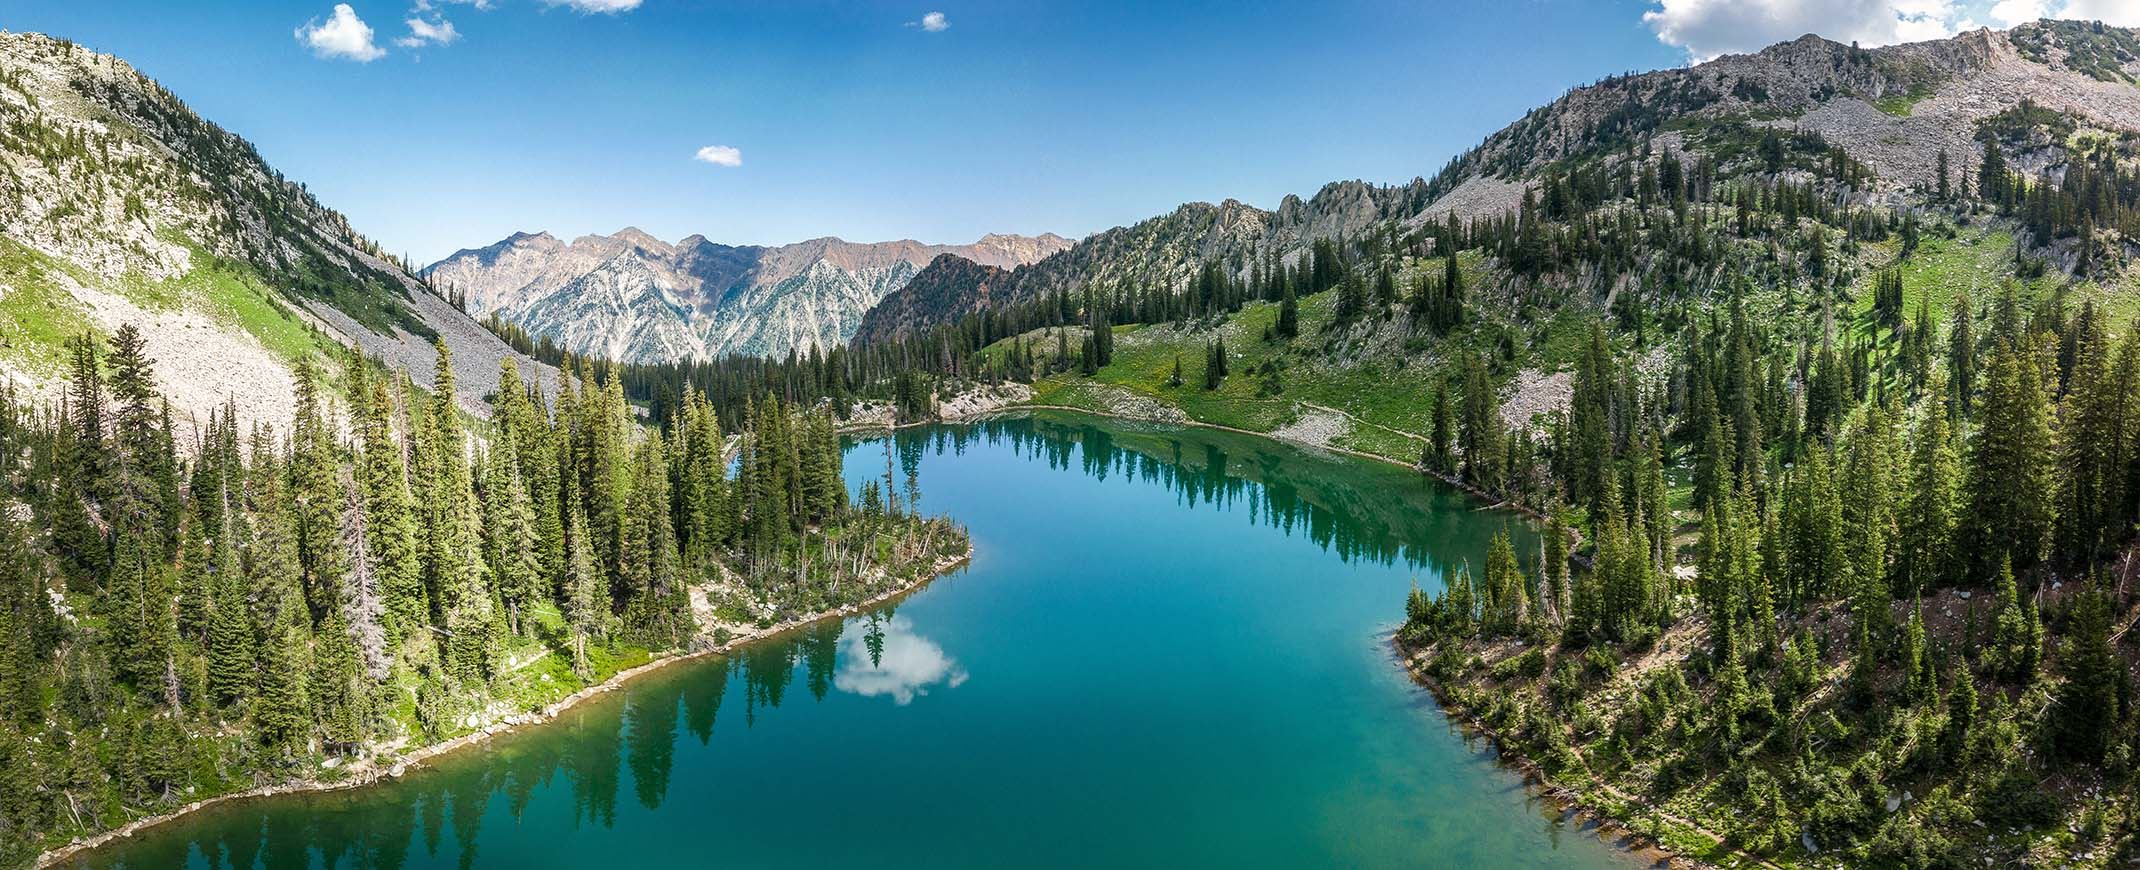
x: 1171, y: 648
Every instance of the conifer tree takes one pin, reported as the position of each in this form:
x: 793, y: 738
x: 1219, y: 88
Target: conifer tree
x: 338, y: 689
x: 392, y: 532
x: 231, y: 662
x: 461, y: 584
x: 1961, y: 357
x: 1869, y: 518
x: 2011, y: 464
x: 2090, y: 702
x: 1507, y: 602
x: 508, y: 535
x: 316, y: 499
x: 1479, y: 427
x: 1925, y: 556
x: 586, y: 609
x: 1289, y: 314
x: 2094, y: 421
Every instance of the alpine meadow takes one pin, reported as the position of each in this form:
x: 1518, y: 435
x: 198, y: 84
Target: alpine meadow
x: 1733, y: 464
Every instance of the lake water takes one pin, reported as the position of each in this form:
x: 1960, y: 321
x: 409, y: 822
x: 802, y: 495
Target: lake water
x: 1171, y: 648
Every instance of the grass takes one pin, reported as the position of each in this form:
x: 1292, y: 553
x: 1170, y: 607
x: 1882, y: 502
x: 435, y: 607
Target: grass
x: 1387, y: 392
x: 1979, y: 260
x: 1900, y: 105
x: 36, y: 315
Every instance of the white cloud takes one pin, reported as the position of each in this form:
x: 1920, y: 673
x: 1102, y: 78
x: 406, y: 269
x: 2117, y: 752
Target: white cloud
x: 480, y: 5
x: 1707, y: 28
x: 719, y: 155
x: 934, y: 22
x: 605, y: 7
x: 2007, y: 13
x: 423, y: 33
x: 906, y: 666
x: 2123, y: 13
x: 342, y: 35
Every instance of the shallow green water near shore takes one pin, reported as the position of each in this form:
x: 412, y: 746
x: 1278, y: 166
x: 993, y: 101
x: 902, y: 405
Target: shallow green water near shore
x: 1171, y: 648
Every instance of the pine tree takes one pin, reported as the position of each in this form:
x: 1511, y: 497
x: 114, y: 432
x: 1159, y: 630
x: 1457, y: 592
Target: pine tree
x: 1215, y: 364
x: 1869, y: 518
x: 316, y: 499
x: 141, y: 623
x: 2012, y: 649
x: 1479, y: 428
x: 82, y: 463
x: 461, y: 583
x: 1920, y: 684
x: 2089, y: 704
x: 338, y: 689
x: 392, y: 529
x: 1441, y: 436
x: 508, y: 531
x: 1507, y: 603
x: 281, y: 712
x: 1961, y: 357
x: 1961, y: 710
x: 1925, y: 557
x: 586, y: 609
x: 144, y: 483
x: 2093, y: 424
x: 231, y: 663
x: 2011, y: 464
x: 1289, y: 314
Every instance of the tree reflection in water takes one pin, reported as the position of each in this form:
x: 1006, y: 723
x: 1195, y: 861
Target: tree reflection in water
x: 877, y: 655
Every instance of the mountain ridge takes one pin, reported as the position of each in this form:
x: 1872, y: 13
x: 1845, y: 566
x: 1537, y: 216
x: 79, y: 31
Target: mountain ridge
x: 118, y: 204
x: 1893, y: 108
x: 632, y: 296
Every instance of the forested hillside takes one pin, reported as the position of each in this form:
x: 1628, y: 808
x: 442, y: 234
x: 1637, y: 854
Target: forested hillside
x: 186, y: 613
x: 1832, y: 423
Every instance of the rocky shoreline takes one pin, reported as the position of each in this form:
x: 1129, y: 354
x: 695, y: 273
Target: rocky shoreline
x: 373, y: 772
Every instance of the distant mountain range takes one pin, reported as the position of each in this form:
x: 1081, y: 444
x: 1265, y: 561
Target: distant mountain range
x: 631, y: 296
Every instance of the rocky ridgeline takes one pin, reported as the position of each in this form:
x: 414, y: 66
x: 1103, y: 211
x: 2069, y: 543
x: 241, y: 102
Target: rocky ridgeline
x: 118, y: 205
x: 1892, y: 109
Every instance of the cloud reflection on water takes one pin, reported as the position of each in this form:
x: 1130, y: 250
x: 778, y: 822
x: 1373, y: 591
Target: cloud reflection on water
x: 905, y: 666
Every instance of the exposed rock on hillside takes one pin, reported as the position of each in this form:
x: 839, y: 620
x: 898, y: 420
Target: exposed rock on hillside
x: 119, y: 204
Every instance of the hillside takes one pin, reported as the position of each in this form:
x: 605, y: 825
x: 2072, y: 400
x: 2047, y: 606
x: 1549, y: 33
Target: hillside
x: 631, y: 296
x: 1819, y: 366
x: 950, y: 286
x: 1162, y: 252
x: 120, y: 205
x: 1892, y: 110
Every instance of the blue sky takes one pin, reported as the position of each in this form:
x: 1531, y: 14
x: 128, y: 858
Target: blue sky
x: 874, y: 120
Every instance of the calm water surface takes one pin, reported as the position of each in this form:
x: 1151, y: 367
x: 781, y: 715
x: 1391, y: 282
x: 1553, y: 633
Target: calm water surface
x: 1171, y: 648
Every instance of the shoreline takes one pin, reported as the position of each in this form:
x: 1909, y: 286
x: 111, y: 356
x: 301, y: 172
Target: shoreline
x: 1614, y: 832
x: 403, y: 764
x: 1611, y: 829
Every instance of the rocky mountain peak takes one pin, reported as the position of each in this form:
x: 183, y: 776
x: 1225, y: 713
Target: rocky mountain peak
x: 633, y: 296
